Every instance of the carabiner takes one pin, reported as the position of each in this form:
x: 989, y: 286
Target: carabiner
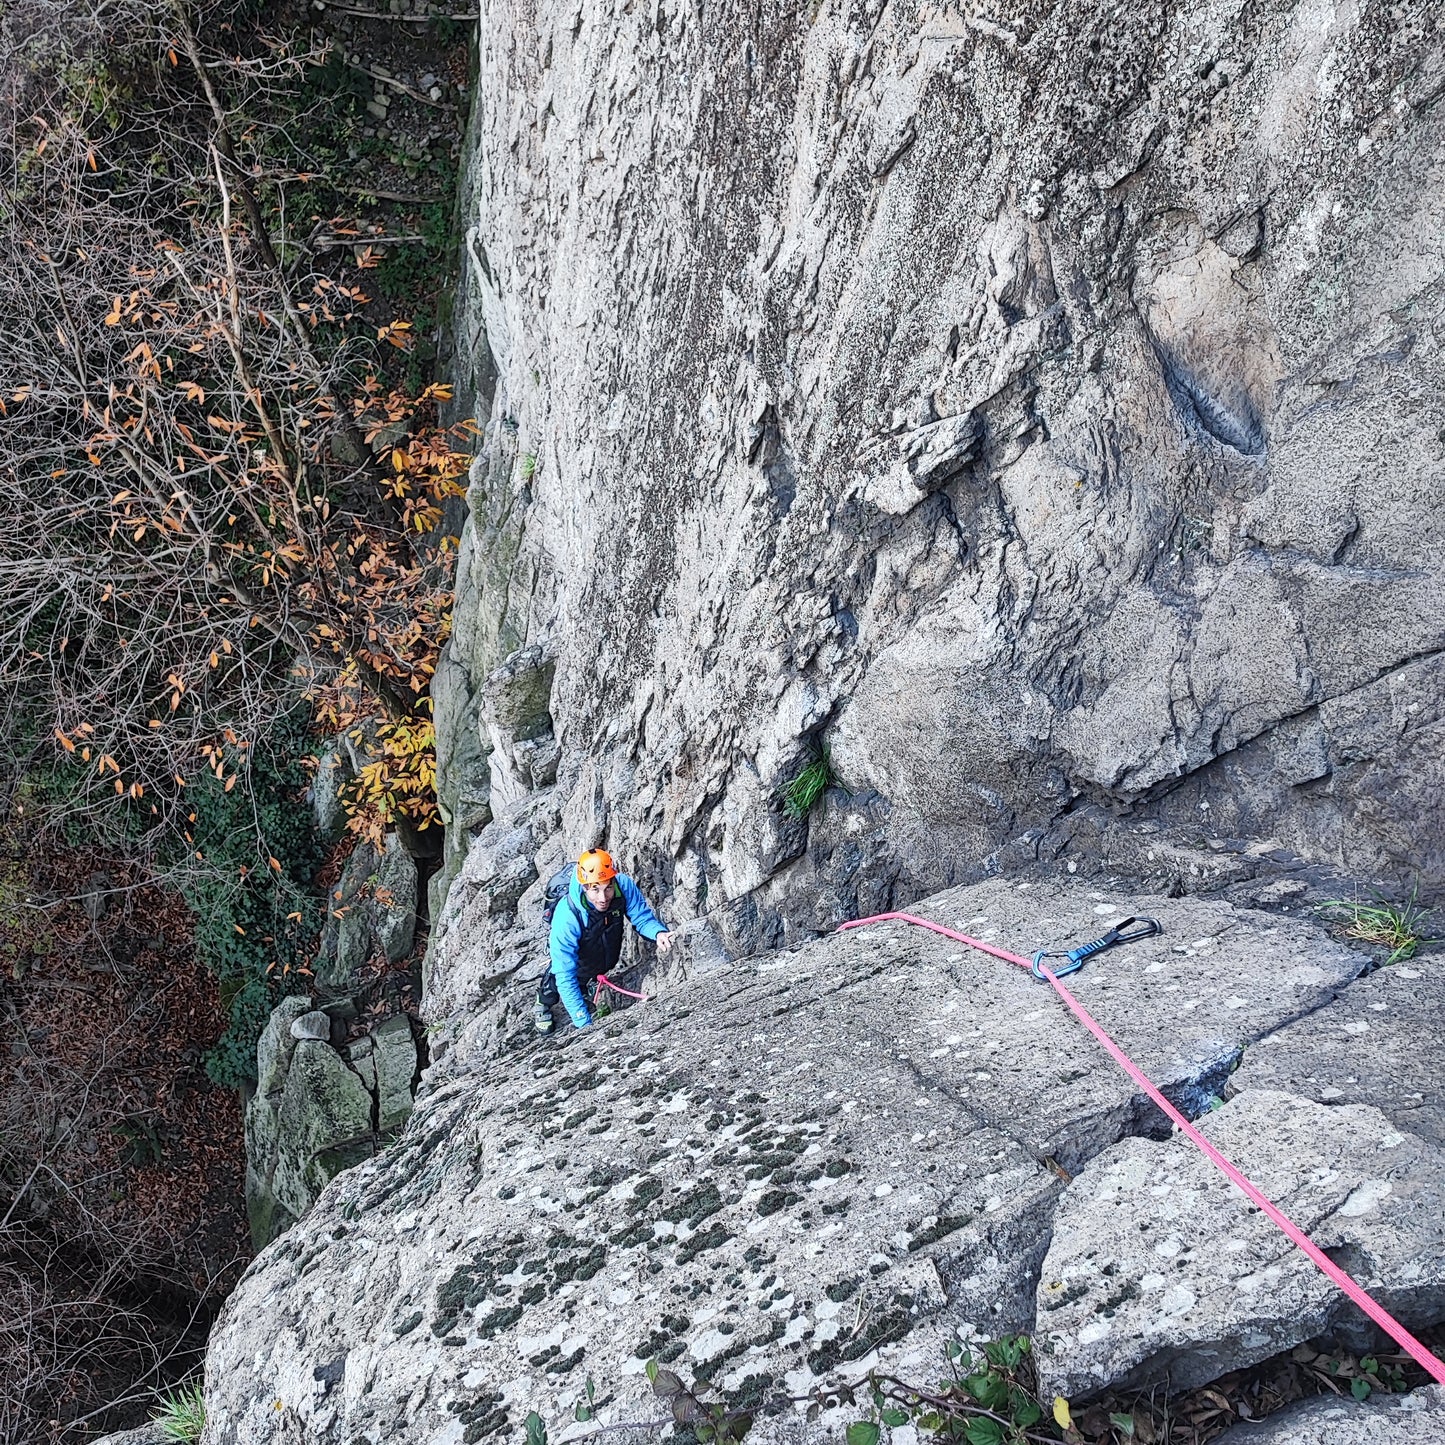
x: 1077, y: 957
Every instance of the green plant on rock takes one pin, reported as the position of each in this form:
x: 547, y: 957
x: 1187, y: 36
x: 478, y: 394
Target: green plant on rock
x: 182, y: 1413
x: 1400, y: 927
x: 710, y: 1423
x: 988, y: 1399
x: 808, y: 786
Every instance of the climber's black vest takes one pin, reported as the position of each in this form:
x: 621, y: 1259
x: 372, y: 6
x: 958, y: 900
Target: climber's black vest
x: 600, y: 946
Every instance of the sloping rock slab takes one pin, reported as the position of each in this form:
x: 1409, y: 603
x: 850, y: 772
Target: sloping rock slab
x: 1380, y: 1043
x: 142, y: 1435
x: 1160, y: 1270
x: 1414, y: 1419
x: 800, y: 1166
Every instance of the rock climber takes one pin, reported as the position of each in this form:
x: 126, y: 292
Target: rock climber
x: 585, y: 938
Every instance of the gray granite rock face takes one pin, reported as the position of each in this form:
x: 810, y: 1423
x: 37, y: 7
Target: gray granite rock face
x: 786, y: 1170
x: 1382, y: 1043
x: 1042, y: 410
x: 1414, y: 1419
x: 1159, y: 1269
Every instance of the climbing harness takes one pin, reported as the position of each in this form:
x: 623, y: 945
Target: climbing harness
x: 1147, y: 928
x: 1430, y: 1363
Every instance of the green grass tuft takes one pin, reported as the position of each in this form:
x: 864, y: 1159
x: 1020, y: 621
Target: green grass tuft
x: 1400, y: 927
x: 182, y: 1413
x: 806, y: 790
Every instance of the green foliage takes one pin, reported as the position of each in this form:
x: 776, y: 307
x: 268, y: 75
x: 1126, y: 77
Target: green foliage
x: 1400, y: 927
x: 587, y: 1406
x: 182, y: 1413
x: 142, y: 1140
x: 529, y: 466
x: 711, y: 1422
x: 536, y: 1429
x: 1364, y: 1376
x: 988, y: 1401
x: 248, y: 884
x: 807, y: 788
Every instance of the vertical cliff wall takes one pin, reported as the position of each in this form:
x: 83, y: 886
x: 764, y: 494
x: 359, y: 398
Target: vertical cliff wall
x: 1040, y: 406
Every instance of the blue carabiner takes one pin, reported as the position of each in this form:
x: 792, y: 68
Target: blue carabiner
x: 1077, y: 957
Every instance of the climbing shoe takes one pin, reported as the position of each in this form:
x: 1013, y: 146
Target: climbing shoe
x: 542, y: 1018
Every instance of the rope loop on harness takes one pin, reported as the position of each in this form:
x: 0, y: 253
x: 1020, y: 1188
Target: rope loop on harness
x: 1120, y: 933
x: 617, y: 988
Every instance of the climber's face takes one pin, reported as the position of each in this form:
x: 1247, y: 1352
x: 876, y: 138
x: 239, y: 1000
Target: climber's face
x: 599, y: 895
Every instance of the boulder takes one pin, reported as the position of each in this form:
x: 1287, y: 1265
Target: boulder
x: 273, y: 1062
x: 1414, y: 1419
x: 372, y: 910
x: 1159, y: 1269
x: 315, y: 1113
x: 1379, y: 1043
x: 313, y: 1025
x: 386, y: 1063
x: 789, y: 1171
x: 333, y: 770
x: 491, y: 922
x: 325, y: 1124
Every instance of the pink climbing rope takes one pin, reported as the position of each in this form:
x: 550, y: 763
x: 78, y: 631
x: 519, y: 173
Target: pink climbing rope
x: 617, y: 988
x: 1418, y: 1352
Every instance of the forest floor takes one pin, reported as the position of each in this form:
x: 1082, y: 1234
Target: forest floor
x: 121, y: 1164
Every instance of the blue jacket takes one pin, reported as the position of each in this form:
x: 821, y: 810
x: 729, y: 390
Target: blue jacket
x: 566, y: 936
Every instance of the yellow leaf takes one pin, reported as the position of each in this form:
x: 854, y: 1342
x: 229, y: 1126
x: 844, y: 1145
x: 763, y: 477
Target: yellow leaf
x: 1062, y: 1418
x: 275, y: 864
x: 239, y: 929
x: 215, y: 659
x: 65, y: 741
x: 399, y: 459
x: 119, y: 786
x: 230, y: 783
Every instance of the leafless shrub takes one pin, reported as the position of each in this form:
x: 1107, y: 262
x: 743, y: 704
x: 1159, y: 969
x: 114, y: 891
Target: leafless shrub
x: 197, y: 528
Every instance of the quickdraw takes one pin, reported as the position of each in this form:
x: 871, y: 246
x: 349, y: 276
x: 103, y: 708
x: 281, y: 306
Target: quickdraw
x: 1148, y: 928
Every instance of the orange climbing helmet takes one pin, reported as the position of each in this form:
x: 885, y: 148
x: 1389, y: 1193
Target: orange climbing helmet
x: 595, y: 866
